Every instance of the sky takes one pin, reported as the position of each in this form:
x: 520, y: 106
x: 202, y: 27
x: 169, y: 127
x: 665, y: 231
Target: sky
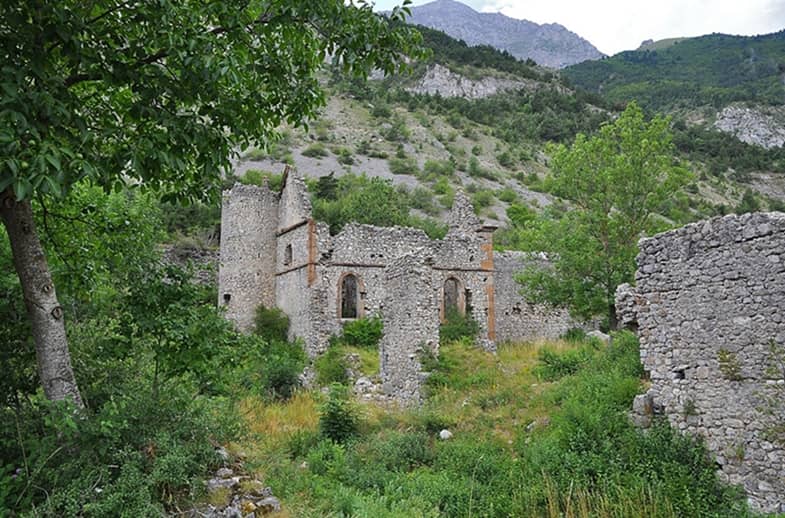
x: 616, y: 25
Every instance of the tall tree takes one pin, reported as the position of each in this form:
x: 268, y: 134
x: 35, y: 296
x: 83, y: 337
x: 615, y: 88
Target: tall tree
x: 156, y: 94
x: 616, y: 181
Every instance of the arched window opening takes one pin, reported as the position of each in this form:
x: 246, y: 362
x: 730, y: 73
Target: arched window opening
x: 287, y: 256
x: 349, y: 297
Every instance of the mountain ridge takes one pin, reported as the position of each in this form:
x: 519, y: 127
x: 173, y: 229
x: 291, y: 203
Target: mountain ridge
x: 551, y: 44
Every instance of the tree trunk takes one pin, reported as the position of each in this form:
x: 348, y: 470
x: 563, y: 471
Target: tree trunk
x: 613, y: 320
x: 43, y: 309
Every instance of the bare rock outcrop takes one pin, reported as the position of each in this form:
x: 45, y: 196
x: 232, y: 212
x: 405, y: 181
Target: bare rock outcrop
x: 439, y: 79
x: 764, y: 127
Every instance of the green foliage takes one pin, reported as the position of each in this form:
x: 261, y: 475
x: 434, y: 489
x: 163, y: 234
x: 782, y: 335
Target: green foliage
x: 133, y: 455
x: 171, y: 128
x: 507, y: 195
x: 363, y: 200
x: 331, y: 366
x: 338, y: 419
x: 616, y: 180
x: 482, y: 198
x: 555, y: 365
x: 709, y: 70
x: 457, y: 326
x: 271, y: 324
x: 749, y: 203
x: 450, y: 50
x: 258, y: 177
x: 397, y: 131
x: 345, y: 156
x: 278, y: 365
x: 369, y: 200
x: 363, y: 332
x: 315, y: 150
x: 729, y: 365
x: 403, y: 166
x: 423, y: 199
x: 433, y: 169
x: 722, y: 152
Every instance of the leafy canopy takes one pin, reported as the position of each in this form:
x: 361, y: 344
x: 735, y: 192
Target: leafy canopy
x: 159, y: 94
x: 616, y: 181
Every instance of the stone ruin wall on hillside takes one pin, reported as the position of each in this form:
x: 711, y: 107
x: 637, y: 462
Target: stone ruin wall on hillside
x: 274, y: 253
x: 709, y: 308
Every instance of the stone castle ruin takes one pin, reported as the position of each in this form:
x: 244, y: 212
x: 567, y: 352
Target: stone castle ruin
x: 274, y: 253
x: 709, y: 308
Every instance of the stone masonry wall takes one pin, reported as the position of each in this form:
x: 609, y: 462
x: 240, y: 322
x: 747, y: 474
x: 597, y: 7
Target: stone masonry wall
x: 518, y: 320
x: 248, y: 249
x: 411, y: 324
x: 709, y: 305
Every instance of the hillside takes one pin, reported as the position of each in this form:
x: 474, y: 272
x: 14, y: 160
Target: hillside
x: 551, y: 45
x: 715, y: 70
x: 479, y: 119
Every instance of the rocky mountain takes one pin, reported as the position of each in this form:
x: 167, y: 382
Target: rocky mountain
x: 761, y: 126
x: 440, y: 80
x: 551, y: 45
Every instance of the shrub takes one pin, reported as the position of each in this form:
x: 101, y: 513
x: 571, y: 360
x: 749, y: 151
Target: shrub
x: 338, y: 419
x: 507, y: 195
x: 272, y: 324
x: 331, y: 366
x: 436, y: 168
x: 136, y: 454
x: 363, y: 332
x: 281, y: 365
x: 555, y: 365
x: 403, y: 166
x: 316, y: 150
x: 457, y: 326
x: 345, y: 156
x: 481, y: 199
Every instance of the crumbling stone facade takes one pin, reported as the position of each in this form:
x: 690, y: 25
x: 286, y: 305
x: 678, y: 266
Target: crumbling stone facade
x: 709, y: 307
x: 274, y: 253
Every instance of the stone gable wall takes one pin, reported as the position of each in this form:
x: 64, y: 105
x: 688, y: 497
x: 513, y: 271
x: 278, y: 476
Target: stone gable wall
x: 709, y: 305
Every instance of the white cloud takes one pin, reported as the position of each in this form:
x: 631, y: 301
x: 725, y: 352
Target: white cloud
x: 616, y: 25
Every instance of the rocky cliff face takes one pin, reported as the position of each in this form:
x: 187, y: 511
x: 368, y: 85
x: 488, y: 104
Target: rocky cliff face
x: 763, y: 127
x: 551, y: 45
x: 441, y: 80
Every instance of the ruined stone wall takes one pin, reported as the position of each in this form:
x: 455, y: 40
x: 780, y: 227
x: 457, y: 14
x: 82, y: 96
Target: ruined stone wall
x: 248, y: 250
x: 518, y: 320
x: 411, y: 325
x: 709, y: 304
x: 468, y: 257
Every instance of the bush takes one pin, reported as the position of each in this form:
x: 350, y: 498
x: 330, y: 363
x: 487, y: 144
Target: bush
x: 457, y: 326
x: 281, y: 364
x: 345, y: 156
x: 338, y: 419
x: 258, y: 177
x: 331, y: 366
x: 272, y: 324
x: 316, y: 150
x: 137, y: 453
x: 363, y: 332
x: 403, y: 166
x: 555, y: 365
x: 437, y: 168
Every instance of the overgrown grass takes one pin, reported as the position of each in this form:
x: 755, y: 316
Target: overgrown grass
x: 521, y: 447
